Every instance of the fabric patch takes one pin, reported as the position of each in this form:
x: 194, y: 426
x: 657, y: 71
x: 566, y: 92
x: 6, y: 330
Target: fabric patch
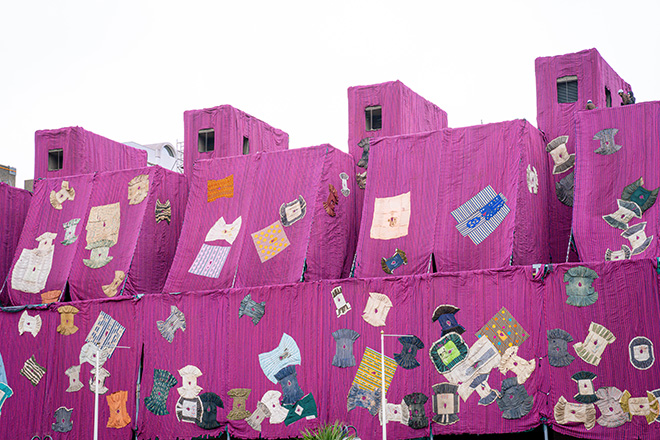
x: 89, y: 352
x: 395, y: 413
x: 189, y: 409
x: 252, y: 309
x: 74, y: 379
x: 620, y: 218
x: 368, y: 399
x: 415, y: 404
x: 238, y: 411
x: 514, y: 401
x: 164, y: 381
x: 111, y: 289
x: 611, y: 413
x: 221, y: 230
x: 486, y: 393
x: 377, y: 308
x: 478, y: 217
x: 643, y: 197
x: 481, y: 359
x: 270, y: 241
x: 656, y: 393
x: 63, y: 421
x: 391, y: 217
x: 29, y: 324
x: 163, y: 212
x: 397, y: 260
x: 504, y: 331
x: 407, y: 358
x: 585, y: 383
x: 639, y: 242
x: 558, y: 355
x: 258, y: 416
x: 344, y: 339
x: 102, y: 375
x: 364, y: 159
x: 117, y: 406
x: 293, y: 211
x: 138, y: 188
x: 646, y: 407
x: 593, y: 347
x: 288, y: 380
x: 31, y: 271
x: 641, y: 353
x: 209, y: 261
x: 210, y: 404
x: 220, y: 188
x: 174, y: 322
x: 559, y: 154
x: 565, y: 189
x: 340, y: 302
x: 361, y: 179
x: 345, y: 191
x: 446, y: 404
x: 189, y: 388
x: 333, y: 199
x: 33, y: 371
x: 607, y: 143
x: 445, y: 315
x: 446, y: 353
x: 5, y: 393
x: 65, y: 193
x: 102, y: 233
x: 623, y: 254
x: 368, y: 375
x: 532, y: 179
x: 66, y: 326
x: 278, y: 413
x: 522, y: 368
x: 570, y: 413
x: 70, y: 236
x: 579, y: 288
x: 106, y: 333
x: 285, y: 354
x: 50, y: 296
x: 304, y: 408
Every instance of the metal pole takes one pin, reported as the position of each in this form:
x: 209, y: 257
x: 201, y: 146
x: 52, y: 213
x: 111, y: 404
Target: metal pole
x: 96, y: 397
x: 545, y: 431
x: 382, y: 383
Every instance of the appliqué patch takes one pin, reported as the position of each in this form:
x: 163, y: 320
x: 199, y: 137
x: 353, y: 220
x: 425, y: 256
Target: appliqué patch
x: 344, y: 339
x: 446, y: 404
x: 620, y: 218
x: 163, y: 211
x: 611, y: 413
x: 111, y: 289
x: 70, y: 236
x: 220, y: 188
x: 29, y: 324
x: 340, y: 302
x: 558, y: 355
x: 270, y: 241
x: 377, y: 308
x: 61, y: 196
x: 345, y: 191
x: 63, y: 421
x: 118, y: 417
x: 504, y: 331
x: 407, y: 358
x: 514, y: 401
x: 238, y: 411
x: 293, y: 211
x: 643, y: 197
x: 579, y: 289
x: 394, y: 262
x: 138, y: 188
x: 258, y: 416
x: 361, y: 179
x: 210, y: 404
x: 361, y: 398
x: 278, y: 413
x: 333, y: 200
x: 481, y: 359
x: 572, y: 413
x: 522, y: 368
x: 415, y: 404
x: 102, y: 233
x: 445, y: 315
x: 447, y: 352
x: 646, y: 407
x: 565, y: 189
x: 391, y: 217
x: 103, y: 375
x: 532, y: 179
x: 31, y: 271
x: 106, y: 333
x: 607, y: 143
x: 252, y: 309
x: 559, y: 154
x: 285, y: 354
x: 33, y: 371
x: 288, y: 380
x: 478, y: 217
x: 67, y: 327
x: 222, y: 230
x: 164, y: 381
x: 641, y: 353
x: 304, y: 408
x: 174, y: 322
x: 639, y: 242
x: 189, y: 410
x: 209, y: 261
x: 623, y: 254
x: 594, y: 345
x: 368, y: 374
x: 74, y: 379
x: 585, y: 383
x: 364, y: 159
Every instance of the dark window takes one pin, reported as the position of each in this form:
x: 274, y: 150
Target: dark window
x: 246, y: 145
x: 55, y: 159
x: 206, y: 140
x: 608, y: 97
x: 567, y: 89
x: 374, y: 117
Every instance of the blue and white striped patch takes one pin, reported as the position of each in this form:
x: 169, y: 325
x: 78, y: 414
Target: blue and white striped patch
x: 478, y: 217
x: 106, y: 333
x: 209, y: 261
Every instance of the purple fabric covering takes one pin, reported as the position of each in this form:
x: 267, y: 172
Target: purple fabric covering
x: 230, y: 125
x: 442, y: 170
x: 30, y: 411
x: 83, y: 152
x: 14, y: 204
x: 261, y: 184
x: 600, y: 179
x: 594, y: 75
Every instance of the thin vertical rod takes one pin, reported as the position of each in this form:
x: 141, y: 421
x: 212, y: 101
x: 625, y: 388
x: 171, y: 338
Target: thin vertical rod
x: 382, y: 383
x: 96, y: 397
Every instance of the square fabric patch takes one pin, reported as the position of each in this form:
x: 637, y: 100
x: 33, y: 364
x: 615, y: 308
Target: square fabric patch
x: 209, y: 261
x: 106, y: 333
x: 368, y: 373
x: 503, y: 331
x: 220, y: 188
x: 391, y: 217
x: 270, y: 241
x: 478, y: 217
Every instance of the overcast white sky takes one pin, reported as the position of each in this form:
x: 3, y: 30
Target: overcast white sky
x: 128, y: 70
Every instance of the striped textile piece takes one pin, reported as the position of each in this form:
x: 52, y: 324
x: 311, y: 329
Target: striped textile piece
x: 106, y: 333
x: 33, y: 371
x: 285, y: 354
x: 368, y: 373
x: 477, y: 202
x: 220, y: 188
x: 478, y: 217
x: 209, y: 261
x: 163, y: 211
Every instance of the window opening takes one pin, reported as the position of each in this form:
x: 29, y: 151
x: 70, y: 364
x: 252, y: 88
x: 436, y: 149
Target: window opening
x: 55, y: 159
x: 206, y: 140
x: 608, y: 97
x: 567, y: 89
x: 374, y: 117
x: 246, y: 145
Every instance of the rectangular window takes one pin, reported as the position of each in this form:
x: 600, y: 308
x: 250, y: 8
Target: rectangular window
x: 567, y: 89
x: 206, y: 140
x: 55, y: 159
x: 608, y: 97
x: 246, y: 145
x: 374, y: 117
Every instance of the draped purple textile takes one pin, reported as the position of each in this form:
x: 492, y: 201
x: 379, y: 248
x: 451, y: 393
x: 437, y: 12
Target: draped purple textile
x: 443, y: 170
x: 261, y: 184
x: 594, y: 76
x: 14, y: 205
x: 602, y: 178
x: 83, y: 152
x: 230, y: 126
x: 30, y: 411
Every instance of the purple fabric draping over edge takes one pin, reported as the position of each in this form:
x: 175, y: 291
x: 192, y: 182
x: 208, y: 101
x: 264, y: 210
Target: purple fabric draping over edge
x: 30, y: 411
x: 14, y: 205
x: 83, y: 152
x: 600, y: 179
x: 261, y: 184
x: 230, y: 126
x: 439, y: 169
x: 554, y: 119
x: 628, y: 306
